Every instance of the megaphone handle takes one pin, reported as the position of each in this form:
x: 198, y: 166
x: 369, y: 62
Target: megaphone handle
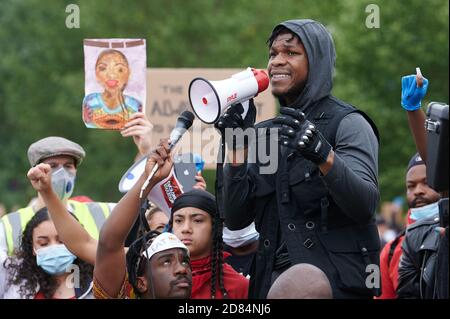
x: 219, y: 178
x: 152, y: 173
x: 246, y: 106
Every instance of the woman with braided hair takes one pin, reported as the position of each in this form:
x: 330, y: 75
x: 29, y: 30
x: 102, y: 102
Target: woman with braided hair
x: 196, y: 222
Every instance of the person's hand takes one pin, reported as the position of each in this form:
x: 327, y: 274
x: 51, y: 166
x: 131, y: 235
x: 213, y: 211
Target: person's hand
x: 414, y: 88
x: 200, y: 182
x: 232, y: 118
x: 40, y: 178
x: 301, y: 135
x: 140, y: 128
x: 160, y: 155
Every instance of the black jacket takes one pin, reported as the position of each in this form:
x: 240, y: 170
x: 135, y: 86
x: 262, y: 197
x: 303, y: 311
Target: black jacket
x: 317, y: 223
x: 417, y: 269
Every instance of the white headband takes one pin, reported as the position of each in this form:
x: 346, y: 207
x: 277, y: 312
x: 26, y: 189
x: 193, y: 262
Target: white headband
x: 163, y: 242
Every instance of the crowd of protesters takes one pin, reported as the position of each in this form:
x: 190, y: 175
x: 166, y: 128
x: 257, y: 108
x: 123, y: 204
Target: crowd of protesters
x: 307, y: 231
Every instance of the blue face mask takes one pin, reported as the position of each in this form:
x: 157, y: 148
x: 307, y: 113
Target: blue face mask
x: 425, y: 211
x: 54, y: 259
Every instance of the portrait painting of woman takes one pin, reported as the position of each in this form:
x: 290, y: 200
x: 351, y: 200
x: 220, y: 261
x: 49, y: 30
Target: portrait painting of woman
x: 111, y: 107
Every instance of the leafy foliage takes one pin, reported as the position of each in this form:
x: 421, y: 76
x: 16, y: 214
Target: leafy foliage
x: 42, y: 70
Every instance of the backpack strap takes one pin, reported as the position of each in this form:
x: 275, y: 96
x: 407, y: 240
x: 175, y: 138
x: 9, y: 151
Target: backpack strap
x: 394, y: 245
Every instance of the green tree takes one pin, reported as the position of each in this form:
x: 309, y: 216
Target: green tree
x: 42, y: 70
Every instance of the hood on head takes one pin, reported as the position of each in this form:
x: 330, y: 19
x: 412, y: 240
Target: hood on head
x: 321, y: 54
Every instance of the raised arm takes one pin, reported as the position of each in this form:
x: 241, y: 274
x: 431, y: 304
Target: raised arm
x: 110, y: 264
x: 237, y: 184
x: 70, y: 231
x: 140, y: 128
x: 414, y: 88
x: 416, y: 120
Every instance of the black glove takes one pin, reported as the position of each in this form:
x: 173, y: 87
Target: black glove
x: 301, y: 135
x: 232, y: 118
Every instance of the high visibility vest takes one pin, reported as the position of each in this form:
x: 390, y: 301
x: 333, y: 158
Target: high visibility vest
x: 91, y: 215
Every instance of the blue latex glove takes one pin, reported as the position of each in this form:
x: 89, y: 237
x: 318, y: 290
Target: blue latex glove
x: 411, y: 94
x: 199, y: 162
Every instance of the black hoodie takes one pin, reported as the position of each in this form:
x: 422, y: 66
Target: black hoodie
x: 321, y: 59
x: 340, y: 204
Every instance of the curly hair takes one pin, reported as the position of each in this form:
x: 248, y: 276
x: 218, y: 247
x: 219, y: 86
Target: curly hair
x: 280, y: 30
x: 24, y: 271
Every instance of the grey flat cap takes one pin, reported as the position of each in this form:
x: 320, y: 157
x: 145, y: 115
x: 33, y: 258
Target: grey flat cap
x: 54, y: 146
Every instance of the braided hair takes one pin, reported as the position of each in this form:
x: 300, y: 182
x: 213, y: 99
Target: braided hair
x: 217, y: 257
x: 205, y: 201
x: 136, y: 261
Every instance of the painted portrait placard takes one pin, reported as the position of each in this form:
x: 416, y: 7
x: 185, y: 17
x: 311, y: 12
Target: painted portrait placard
x: 115, y: 81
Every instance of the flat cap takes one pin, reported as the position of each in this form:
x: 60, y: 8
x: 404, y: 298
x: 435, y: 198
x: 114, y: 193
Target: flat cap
x: 54, y: 146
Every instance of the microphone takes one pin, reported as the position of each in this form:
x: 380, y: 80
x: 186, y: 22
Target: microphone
x: 184, y: 122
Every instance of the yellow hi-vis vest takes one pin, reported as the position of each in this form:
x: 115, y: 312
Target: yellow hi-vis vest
x: 91, y: 215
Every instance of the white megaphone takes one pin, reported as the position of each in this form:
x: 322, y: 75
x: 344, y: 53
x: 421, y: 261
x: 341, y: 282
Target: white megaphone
x: 209, y: 99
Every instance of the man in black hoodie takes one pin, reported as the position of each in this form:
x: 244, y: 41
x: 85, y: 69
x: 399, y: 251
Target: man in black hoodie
x: 318, y: 207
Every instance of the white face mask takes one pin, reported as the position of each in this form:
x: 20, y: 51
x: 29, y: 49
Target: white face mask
x: 389, y: 235
x: 242, y: 237
x: 426, y: 211
x: 63, y: 183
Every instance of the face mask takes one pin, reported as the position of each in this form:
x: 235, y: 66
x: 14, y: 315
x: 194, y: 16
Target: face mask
x: 54, y: 259
x: 242, y: 237
x: 425, y: 211
x: 389, y: 235
x: 63, y: 183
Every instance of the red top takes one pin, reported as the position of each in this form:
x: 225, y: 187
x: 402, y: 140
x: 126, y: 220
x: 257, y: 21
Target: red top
x: 82, y: 199
x: 389, y: 270
x: 235, y: 284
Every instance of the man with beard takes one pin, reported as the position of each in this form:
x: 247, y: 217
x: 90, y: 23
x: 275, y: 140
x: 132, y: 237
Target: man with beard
x: 318, y: 207
x: 423, y: 203
x: 423, y: 270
